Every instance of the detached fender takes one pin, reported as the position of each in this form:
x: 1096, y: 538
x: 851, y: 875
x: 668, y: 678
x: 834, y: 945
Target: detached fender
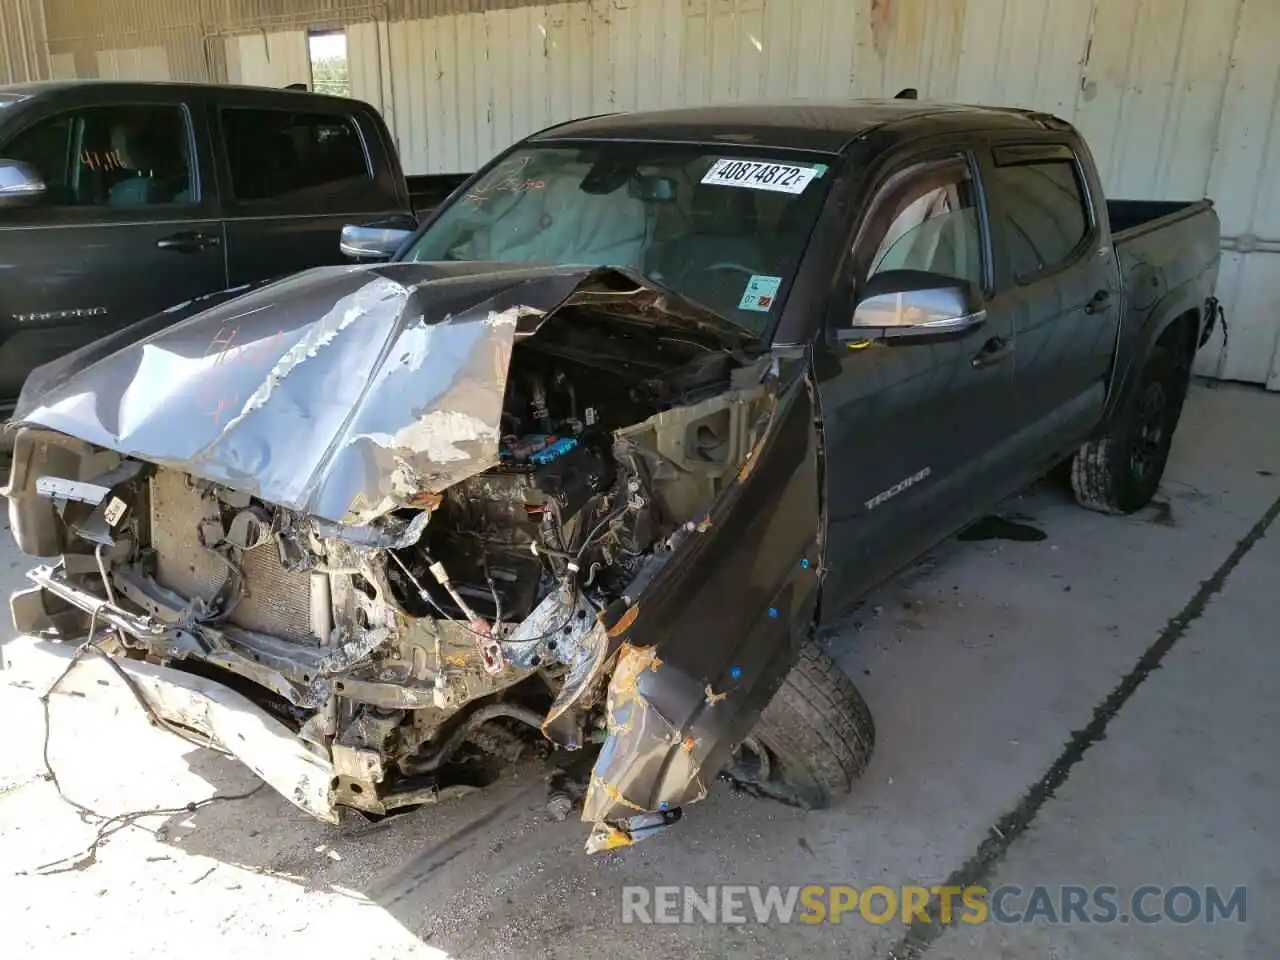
x: 705, y: 646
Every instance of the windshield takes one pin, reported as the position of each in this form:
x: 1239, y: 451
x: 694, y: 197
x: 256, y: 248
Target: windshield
x: 725, y: 229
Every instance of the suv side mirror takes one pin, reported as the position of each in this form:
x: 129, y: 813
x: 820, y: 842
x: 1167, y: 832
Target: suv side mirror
x: 371, y: 243
x: 912, y: 304
x: 20, y: 184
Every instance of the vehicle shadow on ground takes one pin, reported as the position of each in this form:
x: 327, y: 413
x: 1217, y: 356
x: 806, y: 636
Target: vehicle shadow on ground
x: 492, y: 873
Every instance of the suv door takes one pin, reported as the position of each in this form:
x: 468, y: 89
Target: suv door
x: 128, y: 227
x: 1055, y: 268
x: 295, y: 178
x: 916, y: 434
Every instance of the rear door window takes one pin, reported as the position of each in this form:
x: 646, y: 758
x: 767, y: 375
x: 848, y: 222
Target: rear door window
x: 282, y: 155
x: 120, y: 157
x: 1043, y: 209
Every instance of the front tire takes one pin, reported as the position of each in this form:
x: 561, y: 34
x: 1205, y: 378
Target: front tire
x: 1119, y: 472
x: 817, y: 730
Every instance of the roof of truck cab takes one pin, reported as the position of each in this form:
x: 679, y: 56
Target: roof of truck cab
x: 823, y: 126
x: 25, y: 91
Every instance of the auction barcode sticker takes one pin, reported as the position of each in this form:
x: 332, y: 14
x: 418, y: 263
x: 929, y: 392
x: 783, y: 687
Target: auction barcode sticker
x: 758, y: 175
x: 115, y: 510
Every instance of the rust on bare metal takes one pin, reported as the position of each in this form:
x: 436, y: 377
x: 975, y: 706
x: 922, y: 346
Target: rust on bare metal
x: 882, y: 22
x: 632, y: 662
x: 625, y: 621
x: 425, y: 498
x: 614, y: 794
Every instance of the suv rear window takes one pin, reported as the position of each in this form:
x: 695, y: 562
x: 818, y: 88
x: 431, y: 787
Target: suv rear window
x: 281, y: 154
x: 1044, y: 211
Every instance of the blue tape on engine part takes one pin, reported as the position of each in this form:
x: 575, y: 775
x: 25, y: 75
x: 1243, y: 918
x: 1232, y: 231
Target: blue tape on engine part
x: 554, y: 451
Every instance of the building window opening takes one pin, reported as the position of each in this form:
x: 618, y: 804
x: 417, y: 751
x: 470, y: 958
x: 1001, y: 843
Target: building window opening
x: 330, y: 74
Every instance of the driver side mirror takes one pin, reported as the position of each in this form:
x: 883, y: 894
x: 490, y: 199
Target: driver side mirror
x: 914, y: 304
x: 20, y: 184
x: 370, y: 242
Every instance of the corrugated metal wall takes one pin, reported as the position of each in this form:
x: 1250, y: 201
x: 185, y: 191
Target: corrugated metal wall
x: 199, y: 40
x: 23, y: 42
x: 187, y: 39
x: 1244, y: 180
x: 128, y: 39
x: 1179, y: 98
x: 274, y: 59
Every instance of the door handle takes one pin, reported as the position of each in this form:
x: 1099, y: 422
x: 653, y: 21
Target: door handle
x: 992, y: 352
x: 188, y: 242
x: 1099, y: 301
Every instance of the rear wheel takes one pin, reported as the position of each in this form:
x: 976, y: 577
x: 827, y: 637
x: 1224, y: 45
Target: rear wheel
x: 1120, y: 471
x: 816, y: 736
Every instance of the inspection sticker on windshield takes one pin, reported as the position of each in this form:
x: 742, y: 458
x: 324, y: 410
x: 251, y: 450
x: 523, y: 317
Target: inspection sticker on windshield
x: 755, y: 175
x: 760, y: 294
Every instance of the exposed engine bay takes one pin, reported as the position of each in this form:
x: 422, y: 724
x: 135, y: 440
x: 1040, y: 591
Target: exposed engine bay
x: 406, y: 656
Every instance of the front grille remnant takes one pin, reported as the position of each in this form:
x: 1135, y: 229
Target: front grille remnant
x: 276, y: 601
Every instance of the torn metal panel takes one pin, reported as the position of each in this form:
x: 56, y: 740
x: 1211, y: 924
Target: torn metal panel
x: 220, y: 717
x: 625, y: 833
x: 588, y: 666
x: 342, y: 393
x: 694, y: 673
x: 646, y: 754
x: 557, y: 630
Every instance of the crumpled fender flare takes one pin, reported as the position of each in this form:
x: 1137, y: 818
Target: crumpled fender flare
x: 705, y: 646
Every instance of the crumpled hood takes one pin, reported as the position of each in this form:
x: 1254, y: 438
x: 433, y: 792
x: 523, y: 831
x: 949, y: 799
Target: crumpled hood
x: 342, y: 392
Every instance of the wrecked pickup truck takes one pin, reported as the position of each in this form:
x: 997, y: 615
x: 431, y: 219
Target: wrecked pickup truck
x: 650, y: 399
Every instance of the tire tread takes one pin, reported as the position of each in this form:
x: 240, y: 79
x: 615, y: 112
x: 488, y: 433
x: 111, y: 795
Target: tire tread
x: 1100, y: 475
x: 818, y: 727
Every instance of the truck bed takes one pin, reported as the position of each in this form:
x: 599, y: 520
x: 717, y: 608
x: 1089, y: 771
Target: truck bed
x: 1168, y: 256
x: 1131, y: 218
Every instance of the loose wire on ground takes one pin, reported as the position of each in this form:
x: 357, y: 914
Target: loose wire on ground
x: 108, y: 825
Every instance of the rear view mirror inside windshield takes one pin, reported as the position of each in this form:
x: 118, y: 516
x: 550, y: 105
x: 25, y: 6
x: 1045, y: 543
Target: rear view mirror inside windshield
x: 652, y: 189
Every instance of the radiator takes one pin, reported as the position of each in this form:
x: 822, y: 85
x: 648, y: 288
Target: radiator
x: 276, y: 601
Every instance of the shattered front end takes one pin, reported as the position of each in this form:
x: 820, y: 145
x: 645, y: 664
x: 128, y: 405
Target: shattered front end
x: 376, y: 530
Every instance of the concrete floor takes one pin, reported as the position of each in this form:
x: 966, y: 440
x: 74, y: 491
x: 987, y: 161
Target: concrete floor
x: 983, y: 666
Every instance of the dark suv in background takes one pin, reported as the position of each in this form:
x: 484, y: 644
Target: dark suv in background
x: 120, y: 200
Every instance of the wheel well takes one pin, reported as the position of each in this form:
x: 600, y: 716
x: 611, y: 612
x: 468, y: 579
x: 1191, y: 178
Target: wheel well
x: 1183, y: 335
